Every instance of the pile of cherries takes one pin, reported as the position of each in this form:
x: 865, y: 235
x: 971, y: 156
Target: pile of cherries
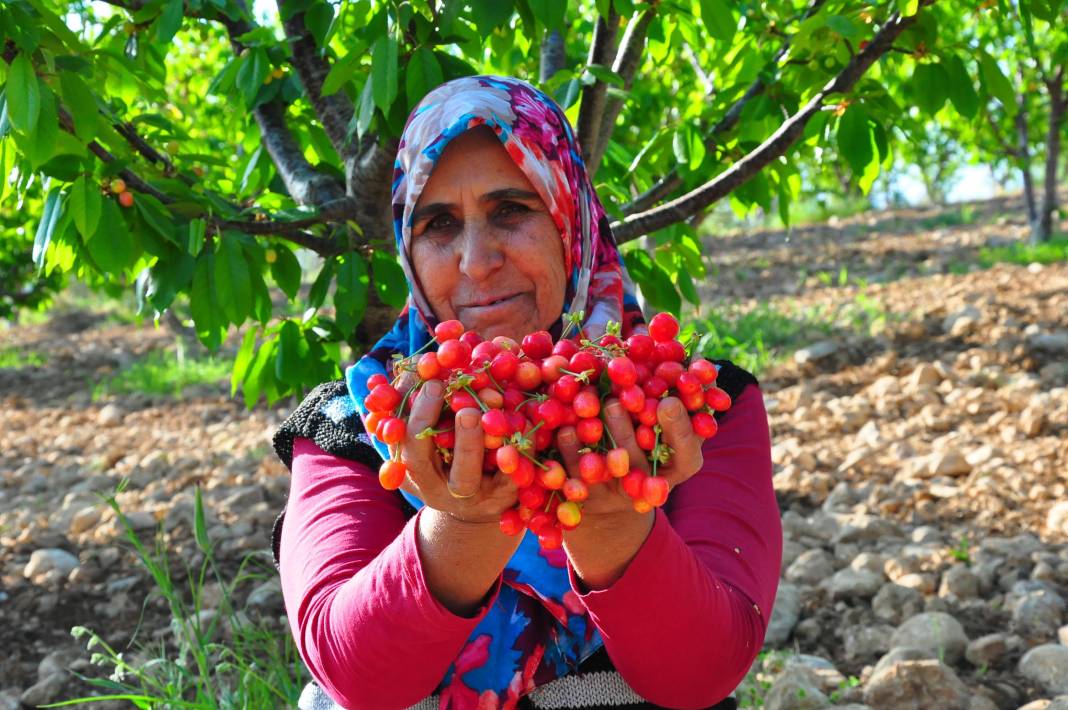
x: 526, y: 391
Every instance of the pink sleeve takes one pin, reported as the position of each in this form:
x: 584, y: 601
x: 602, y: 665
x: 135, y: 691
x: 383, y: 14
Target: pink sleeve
x: 365, y: 623
x: 687, y: 618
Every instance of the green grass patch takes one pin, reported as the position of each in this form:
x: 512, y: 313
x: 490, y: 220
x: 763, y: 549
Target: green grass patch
x: 1026, y: 253
x: 959, y: 216
x: 15, y: 359
x: 166, y: 373
x: 762, y: 336
x: 226, y: 659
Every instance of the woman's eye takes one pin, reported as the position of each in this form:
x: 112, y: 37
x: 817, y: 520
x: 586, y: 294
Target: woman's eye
x: 440, y: 223
x: 510, y: 209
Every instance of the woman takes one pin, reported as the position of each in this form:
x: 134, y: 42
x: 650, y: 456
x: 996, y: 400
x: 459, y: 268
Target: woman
x: 498, y: 226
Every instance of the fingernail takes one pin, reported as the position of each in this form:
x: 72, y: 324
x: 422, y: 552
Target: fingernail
x: 614, y: 409
x: 433, y: 388
x: 673, y: 411
x: 567, y: 436
x: 468, y: 420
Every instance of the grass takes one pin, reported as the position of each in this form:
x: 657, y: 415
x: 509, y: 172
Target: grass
x: 1025, y: 253
x: 759, y: 337
x: 963, y: 214
x: 165, y: 373
x: 14, y: 358
x: 201, y: 667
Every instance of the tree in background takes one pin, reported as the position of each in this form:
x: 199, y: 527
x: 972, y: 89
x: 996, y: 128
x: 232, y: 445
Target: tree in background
x: 181, y: 149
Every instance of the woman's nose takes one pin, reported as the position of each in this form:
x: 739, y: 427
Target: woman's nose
x: 481, y: 254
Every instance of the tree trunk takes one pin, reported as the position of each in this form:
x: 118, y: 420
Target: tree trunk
x: 553, y: 55
x: 1024, y: 160
x: 1057, y: 108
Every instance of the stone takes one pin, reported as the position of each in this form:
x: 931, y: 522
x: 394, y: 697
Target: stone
x: 1057, y: 519
x: 850, y: 583
x: 895, y: 603
x: 51, y: 559
x: 959, y: 582
x: 109, y: 415
x: 923, y: 583
x: 1047, y: 667
x: 925, y: 375
x: 870, y: 561
x: 866, y: 642
x: 934, y: 630
x: 44, y: 691
x: 862, y: 527
x: 811, y: 567
x: 1053, y: 342
x: 796, y: 688
x: 962, y: 322
x: 981, y: 455
x: 784, y: 614
x: 267, y: 594
x: 816, y: 352
x: 947, y: 463
x: 1037, y: 613
x: 902, y: 653
x: 57, y: 662
x: 917, y: 685
x: 981, y: 702
x: 1062, y: 635
x: 986, y: 650
x: 84, y: 520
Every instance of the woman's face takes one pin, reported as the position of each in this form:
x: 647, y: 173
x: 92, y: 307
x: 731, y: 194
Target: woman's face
x: 484, y: 247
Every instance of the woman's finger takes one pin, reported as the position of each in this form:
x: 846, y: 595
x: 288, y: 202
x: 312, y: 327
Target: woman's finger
x: 567, y: 444
x: 679, y: 435
x: 416, y: 453
x: 465, y: 475
x: 619, y: 425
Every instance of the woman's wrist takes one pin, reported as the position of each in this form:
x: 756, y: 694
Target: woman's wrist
x: 603, y: 545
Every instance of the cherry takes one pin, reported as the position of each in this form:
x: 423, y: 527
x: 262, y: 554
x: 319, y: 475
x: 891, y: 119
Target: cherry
x: 621, y: 371
x: 632, y: 398
x: 610, y: 341
x: 552, y: 413
x: 527, y: 376
x: 645, y: 436
x: 553, y: 476
x: 446, y: 439
x: 670, y: 351
x: 462, y: 400
x: 428, y: 366
x: 448, y: 330
x: 565, y: 389
x: 483, y: 352
x: 471, y: 338
x: 508, y: 458
x: 663, y: 327
x: 552, y: 538
x: 647, y: 415
x: 575, y: 489
x: 642, y: 506
x: 565, y: 348
x: 617, y: 461
x: 393, y: 431
x: 118, y: 186
x: 494, y: 423
x: 511, y: 522
x: 632, y: 483
x: 391, y: 475
x: 587, y: 403
x: 585, y: 360
x: 454, y: 354
x: 376, y: 379
x: 533, y: 496
x: 655, y: 490
x: 383, y: 398
x: 704, y: 425
x: 591, y: 467
x: 693, y: 401
x: 717, y: 399
x: 491, y: 398
x: 590, y: 430
x: 640, y: 347
x: 126, y: 199
x: 704, y: 370
x: 372, y: 420
x: 550, y: 368
x: 655, y: 387
x: 503, y: 365
x: 687, y: 383
x: 524, y: 473
x: 569, y: 514
x: 539, y: 522
x: 669, y: 372
x: 538, y: 345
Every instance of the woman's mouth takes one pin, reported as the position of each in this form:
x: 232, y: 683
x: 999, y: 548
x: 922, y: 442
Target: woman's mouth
x: 490, y: 305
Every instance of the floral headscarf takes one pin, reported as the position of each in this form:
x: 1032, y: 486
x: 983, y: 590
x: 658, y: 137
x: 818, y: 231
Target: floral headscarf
x: 537, y: 629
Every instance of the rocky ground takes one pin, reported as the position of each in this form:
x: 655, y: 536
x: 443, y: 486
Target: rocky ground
x: 922, y: 470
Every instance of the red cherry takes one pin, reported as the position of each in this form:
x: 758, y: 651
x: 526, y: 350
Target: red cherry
x: 621, y: 371
x: 632, y: 398
x: 640, y: 347
x: 655, y: 387
x: 587, y: 403
x: 550, y: 368
x: 648, y: 415
x: 585, y: 360
x: 663, y: 327
x: 375, y: 380
x: 516, y: 421
x: 511, y: 522
x: 480, y: 380
x: 688, y: 383
x: 428, y: 366
x: 539, y: 522
x: 565, y: 389
x: 505, y: 343
x: 524, y: 473
x: 570, y: 418
x: 569, y: 514
x: 693, y: 400
x: 632, y: 483
x: 644, y: 371
x: 453, y: 354
x: 543, y: 438
x: 618, y: 462
x: 513, y: 398
x: 483, y: 352
x: 552, y: 413
x: 503, y: 366
x: 642, y: 506
x: 591, y: 467
x: 575, y: 489
x: 704, y: 370
x: 533, y: 496
x: 527, y: 376
x: 610, y: 341
x: 462, y: 400
x: 553, y: 476
x: 126, y: 199
x: 471, y: 338
x: 446, y: 439
x: 538, y: 345
x: 391, y: 475
x: 565, y: 348
x: 491, y: 444
x: 645, y: 436
x: 669, y: 351
x: 589, y: 430
x: 383, y: 398
x: 704, y: 425
x: 448, y: 330
x: 393, y: 431
x: 495, y: 423
x: 372, y: 420
x: 669, y: 372
x: 655, y: 490
x: 491, y: 398
x: 717, y: 399
x: 552, y: 538
x: 508, y: 458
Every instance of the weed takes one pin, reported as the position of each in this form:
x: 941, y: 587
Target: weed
x: 962, y: 551
x: 165, y: 373
x: 1025, y: 253
x: 202, y: 668
x: 15, y: 359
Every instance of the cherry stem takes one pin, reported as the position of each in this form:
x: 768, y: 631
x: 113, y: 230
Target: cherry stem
x: 430, y: 431
x: 533, y: 460
x: 404, y: 401
x: 478, y: 401
x: 549, y: 501
x: 656, y: 448
x: 583, y: 376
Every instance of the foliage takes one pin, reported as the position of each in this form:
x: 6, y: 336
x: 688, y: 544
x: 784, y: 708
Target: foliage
x: 243, y: 145
x: 1043, y: 253
x: 165, y: 373
x: 216, y: 661
x: 17, y: 358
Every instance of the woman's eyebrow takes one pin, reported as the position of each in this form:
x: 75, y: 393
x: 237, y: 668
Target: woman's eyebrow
x: 508, y: 193
x: 430, y: 210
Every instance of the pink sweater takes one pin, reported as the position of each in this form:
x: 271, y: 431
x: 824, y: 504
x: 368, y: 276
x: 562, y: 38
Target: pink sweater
x: 373, y: 635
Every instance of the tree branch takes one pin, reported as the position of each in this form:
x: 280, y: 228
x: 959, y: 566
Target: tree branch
x: 591, y: 110
x: 626, y: 64
x: 671, y: 181
x: 775, y: 146
x: 553, y: 56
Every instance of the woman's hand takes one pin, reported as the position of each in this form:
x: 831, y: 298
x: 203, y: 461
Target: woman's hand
x: 686, y: 459
x: 462, y: 491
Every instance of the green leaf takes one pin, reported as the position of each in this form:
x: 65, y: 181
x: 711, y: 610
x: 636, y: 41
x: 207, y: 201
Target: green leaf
x: 384, y: 72
x: 366, y: 109
x: 567, y: 93
x: 156, y: 216
x: 854, y: 138
x: 200, y: 526
x: 286, y: 272
x: 603, y: 73
x: 843, y: 26
x: 195, y: 238
x: 930, y: 83
x: 997, y: 85
x: 490, y: 14
x: 53, y: 207
x: 390, y: 284
x: 23, y: 95
x: 654, y: 282
x: 317, y: 293
x: 204, y: 305
x: 42, y: 143
x: 112, y: 247
x: 350, y: 292
x: 169, y: 275
x: 549, y: 13
x: 422, y: 74
x: 252, y: 73
x: 84, y: 203
x: 82, y: 105
x: 318, y: 19
x: 232, y: 281
x: 341, y: 72
x: 718, y: 19
x: 686, y: 287
x: 961, y: 87
x: 908, y: 8
x: 170, y: 21
x: 258, y: 372
x: 242, y: 360
x: 291, y: 360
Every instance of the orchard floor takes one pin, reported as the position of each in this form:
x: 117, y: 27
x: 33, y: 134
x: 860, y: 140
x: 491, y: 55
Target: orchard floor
x: 919, y: 465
